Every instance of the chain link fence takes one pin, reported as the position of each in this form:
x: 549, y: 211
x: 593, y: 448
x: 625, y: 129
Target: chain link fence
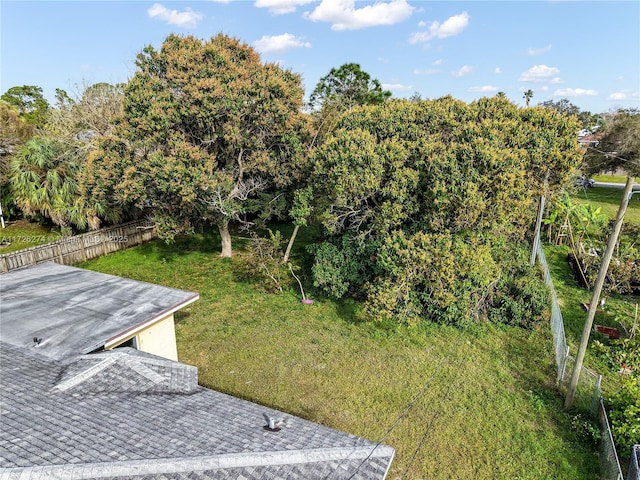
x: 634, y: 464
x: 588, y: 392
x: 609, y: 463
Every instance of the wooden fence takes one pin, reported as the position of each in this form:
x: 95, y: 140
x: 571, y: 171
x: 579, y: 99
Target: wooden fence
x: 80, y: 248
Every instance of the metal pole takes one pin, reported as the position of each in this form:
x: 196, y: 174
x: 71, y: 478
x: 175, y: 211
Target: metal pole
x: 536, y: 236
x: 602, y: 273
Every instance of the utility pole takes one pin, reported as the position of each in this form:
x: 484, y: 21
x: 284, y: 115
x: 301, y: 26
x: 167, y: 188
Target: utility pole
x: 595, y: 298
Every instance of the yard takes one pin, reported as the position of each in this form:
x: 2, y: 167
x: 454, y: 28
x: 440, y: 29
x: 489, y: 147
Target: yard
x: 478, y: 403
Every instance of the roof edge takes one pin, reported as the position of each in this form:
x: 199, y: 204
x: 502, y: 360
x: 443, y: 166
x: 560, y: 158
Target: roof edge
x: 191, y: 464
x: 125, y: 334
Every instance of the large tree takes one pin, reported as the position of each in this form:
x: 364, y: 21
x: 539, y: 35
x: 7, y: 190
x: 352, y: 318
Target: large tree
x: 209, y: 132
x: 564, y: 106
x: 619, y: 146
x: 30, y: 103
x: 422, y: 203
x: 90, y: 112
x: 44, y: 173
x: 348, y: 86
x: 44, y: 176
x: 14, y: 132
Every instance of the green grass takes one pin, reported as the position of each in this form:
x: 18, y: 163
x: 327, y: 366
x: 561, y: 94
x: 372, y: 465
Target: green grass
x: 609, y: 200
x: 489, y: 409
x: 22, y: 234
x: 610, y: 178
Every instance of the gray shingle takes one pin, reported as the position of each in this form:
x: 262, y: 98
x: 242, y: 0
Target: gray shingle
x: 107, y: 427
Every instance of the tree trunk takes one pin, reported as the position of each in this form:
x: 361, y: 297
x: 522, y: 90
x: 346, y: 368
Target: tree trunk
x: 290, y: 245
x: 225, y: 237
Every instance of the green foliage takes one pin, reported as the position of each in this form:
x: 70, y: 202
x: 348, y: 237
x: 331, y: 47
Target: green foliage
x: 342, y: 264
x: 521, y: 298
x: 586, y: 428
x: 44, y: 184
x: 438, y: 190
x: 262, y: 263
x: 619, y: 145
x: 565, y: 107
x: 438, y: 276
x: 624, y: 415
x: 623, y: 353
x: 14, y: 132
x: 29, y: 101
x: 348, y: 86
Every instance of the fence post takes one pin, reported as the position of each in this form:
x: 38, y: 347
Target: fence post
x: 60, y: 257
x: 596, y: 395
x: 83, y: 251
x: 564, y: 366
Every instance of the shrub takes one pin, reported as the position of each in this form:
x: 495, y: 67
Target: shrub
x: 624, y: 414
x: 262, y: 263
x: 521, y: 299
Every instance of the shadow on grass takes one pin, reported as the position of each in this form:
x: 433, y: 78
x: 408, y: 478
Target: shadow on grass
x: 537, y: 387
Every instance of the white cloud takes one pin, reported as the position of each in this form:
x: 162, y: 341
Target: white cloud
x: 383, y: 60
x: 498, y: 70
x: 538, y: 51
x: 186, y: 19
x: 279, y: 43
x: 450, y: 27
x: 464, y: 71
x: 617, y: 96
x: 556, y: 81
x: 422, y: 23
x: 539, y: 73
x: 397, y: 87
x: 280, y: 7
x: 574, y: 92
x: 438, y: 62
x: 220, y: 1
x: 343, y: 14
x: 483, y: 89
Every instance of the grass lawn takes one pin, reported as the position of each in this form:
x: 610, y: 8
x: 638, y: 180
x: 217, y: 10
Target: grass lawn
x: 22, y: 234
x: 609, y: 200
x: 611, y: 178
x: 488, y: 407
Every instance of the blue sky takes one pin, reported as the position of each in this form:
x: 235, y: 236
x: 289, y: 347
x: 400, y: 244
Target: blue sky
x: 586, y: 51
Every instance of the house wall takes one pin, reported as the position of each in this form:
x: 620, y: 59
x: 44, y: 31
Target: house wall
x: 158, y: 339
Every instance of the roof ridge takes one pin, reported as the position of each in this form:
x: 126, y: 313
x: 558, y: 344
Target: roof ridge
x: 85, y: 375
x: 134, y: 363
x: 191, y: 464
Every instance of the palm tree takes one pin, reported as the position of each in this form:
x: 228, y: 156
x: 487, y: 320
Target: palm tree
x: 527, y: 96
x: 43, y: 181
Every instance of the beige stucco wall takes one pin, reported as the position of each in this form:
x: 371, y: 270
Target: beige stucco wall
x: 158, y: 339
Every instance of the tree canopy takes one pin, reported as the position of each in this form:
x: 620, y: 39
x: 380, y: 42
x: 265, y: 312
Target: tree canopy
x: 208, y: 133
x: 348, y: 86
x: 564, y: 106
x: 420, y: 200
x: 44, y: 173
x: 619, y: 145
x: 30, y: 103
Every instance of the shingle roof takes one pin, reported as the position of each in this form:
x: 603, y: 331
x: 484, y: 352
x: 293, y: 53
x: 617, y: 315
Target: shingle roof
x: 125, y: 414
x: 76, y: 311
